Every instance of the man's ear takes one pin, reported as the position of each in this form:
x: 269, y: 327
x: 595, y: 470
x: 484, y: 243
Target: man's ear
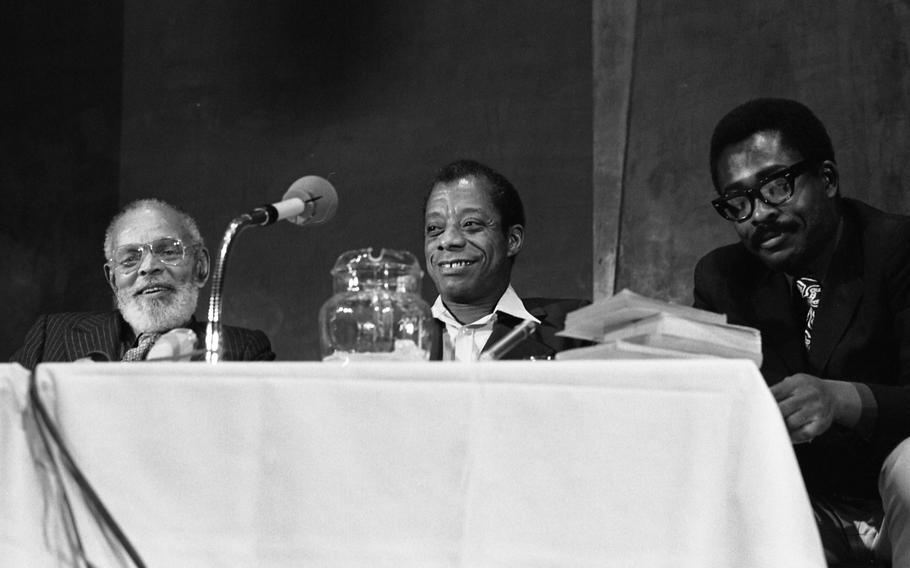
x: 201, y: 270
x: 831, y: 176
x: 515, y: 238
x: 109, y: 276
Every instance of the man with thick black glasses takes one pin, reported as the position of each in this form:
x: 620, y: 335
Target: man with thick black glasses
x: 156, y: 264
x: 826, y: 280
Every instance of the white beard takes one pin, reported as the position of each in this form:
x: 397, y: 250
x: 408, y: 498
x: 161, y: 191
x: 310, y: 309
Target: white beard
x: 158, y: 315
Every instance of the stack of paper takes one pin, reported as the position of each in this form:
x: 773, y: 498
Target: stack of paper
x: 630, y: 326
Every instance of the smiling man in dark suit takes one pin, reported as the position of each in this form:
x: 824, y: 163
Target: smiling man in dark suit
x: 826, y: 280
x: 156, y: 265
x: 473, y: 231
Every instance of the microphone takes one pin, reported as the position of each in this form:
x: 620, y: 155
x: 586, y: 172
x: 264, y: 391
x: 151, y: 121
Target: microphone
x: 311, y: 200
x: 175, y: 345
x: 518, y: 334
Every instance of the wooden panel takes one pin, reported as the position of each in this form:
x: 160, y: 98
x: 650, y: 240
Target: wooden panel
x: 613, y: 48
x: 697, y: 59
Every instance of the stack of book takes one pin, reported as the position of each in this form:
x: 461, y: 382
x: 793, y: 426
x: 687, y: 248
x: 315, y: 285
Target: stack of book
x: 630, y: 326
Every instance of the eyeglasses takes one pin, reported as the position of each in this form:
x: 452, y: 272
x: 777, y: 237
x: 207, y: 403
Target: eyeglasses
x: 774, y: 189
x: 170, y: 251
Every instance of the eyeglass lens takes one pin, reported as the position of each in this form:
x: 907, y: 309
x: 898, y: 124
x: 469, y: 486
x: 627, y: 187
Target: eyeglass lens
x: 169, y: 251
x: 775, y: 192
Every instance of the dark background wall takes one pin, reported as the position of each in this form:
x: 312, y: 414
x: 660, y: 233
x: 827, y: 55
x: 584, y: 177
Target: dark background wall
x: 225, y: 104
x: 59, y: 156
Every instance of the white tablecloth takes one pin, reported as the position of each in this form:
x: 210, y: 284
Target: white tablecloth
x: 600, y: 463
x: 29, y: 531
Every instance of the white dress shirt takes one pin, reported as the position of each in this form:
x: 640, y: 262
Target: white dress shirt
x: 464, y: 342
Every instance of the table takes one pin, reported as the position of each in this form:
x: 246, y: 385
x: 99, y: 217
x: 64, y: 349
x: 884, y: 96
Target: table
x: 577, y: 463
x: 27, y: 535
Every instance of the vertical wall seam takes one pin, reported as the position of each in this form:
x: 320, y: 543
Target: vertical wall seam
x: 625, y: 157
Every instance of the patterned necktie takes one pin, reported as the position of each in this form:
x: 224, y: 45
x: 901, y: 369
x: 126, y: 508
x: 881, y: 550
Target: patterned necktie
x: 138, y: 353
x: 811, y: 290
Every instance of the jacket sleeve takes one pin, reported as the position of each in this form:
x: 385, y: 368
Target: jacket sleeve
x: 257, y: 347
x: 701, y: 288
x: 32, y: 351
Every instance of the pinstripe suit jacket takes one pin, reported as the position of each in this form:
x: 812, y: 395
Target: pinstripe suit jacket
x: 97, y: 335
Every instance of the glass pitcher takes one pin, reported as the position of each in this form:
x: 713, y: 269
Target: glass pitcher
x: 376, y: 312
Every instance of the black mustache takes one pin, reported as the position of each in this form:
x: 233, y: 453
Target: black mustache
x: 762, y: 232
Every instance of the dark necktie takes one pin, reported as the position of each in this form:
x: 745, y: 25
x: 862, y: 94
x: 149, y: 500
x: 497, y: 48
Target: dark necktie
x: 138, y: 353
x: 811, y: 290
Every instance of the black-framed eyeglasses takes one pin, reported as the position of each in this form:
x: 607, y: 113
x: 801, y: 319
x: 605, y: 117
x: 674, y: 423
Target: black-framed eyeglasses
x: 774, y: 189
x: 170, y: 251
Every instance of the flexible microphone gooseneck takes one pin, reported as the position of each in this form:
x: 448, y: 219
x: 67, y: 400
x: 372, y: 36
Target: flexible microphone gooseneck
x: 311, y: 200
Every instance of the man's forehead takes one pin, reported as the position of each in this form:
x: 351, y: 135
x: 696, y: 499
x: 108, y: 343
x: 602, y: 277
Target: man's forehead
x: 147, y: 223
x: 765, y: 146
x: 469, y: 182
x: 754, y: 155
x: 467, y: 190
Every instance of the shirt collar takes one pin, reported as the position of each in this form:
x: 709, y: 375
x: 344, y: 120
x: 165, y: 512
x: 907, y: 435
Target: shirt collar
x: 509, y: 303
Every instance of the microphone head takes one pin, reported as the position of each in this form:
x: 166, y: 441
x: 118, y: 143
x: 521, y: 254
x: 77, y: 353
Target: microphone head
x: 318, y: 196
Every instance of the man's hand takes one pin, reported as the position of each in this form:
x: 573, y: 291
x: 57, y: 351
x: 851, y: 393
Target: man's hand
x: 806, y: 405
x: 810, y: 405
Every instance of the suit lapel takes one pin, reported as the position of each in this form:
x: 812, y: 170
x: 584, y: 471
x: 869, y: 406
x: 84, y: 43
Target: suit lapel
x: 437, y: 331
x: 782, y: 345
x: 199, y: 328
x: 530, y: 347
x: 98, y: 334
x: 841, y: 293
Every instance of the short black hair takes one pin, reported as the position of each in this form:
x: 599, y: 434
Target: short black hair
x: 502, y: 193
x: 799, y: 128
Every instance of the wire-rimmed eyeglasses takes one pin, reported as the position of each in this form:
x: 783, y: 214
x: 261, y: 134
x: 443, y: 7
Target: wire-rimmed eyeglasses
x: 170, y: 251
x: 774, y: 189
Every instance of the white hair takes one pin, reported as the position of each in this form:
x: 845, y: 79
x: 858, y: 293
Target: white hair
x: 186, y: 221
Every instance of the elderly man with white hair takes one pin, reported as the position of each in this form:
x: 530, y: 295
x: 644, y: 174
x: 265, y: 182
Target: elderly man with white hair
x: 156, y: 265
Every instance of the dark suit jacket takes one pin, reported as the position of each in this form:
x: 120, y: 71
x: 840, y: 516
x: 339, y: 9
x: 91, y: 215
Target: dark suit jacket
x: 542, y: 344
x: 861, y: 334
x: 97, y: 335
